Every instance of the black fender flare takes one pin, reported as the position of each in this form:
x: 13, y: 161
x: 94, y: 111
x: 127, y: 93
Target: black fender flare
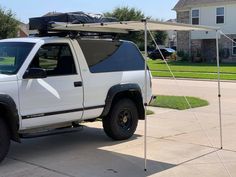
x: 133, y: 89
x: 11, y: 115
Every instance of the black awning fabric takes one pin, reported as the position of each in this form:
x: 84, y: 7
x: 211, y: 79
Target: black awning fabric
x: 44, y: 23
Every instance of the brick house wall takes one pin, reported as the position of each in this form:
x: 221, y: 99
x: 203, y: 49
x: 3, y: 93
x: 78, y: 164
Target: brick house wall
x: 226, y: 48
x: 23, y: 30
x: 21, y: 33
x: 183, y: 38
x: 208, y: 50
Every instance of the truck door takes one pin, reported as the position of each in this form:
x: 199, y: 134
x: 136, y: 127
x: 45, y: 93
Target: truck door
x: 58, y: 97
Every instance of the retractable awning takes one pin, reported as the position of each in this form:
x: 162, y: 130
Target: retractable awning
x: 127, y: 26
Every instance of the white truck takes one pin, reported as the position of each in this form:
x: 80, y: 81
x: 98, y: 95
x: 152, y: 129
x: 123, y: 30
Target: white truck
x: 51, y: 83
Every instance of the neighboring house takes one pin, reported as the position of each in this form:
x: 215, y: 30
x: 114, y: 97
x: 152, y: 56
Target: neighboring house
x: 23, y: 30
x: 218, y: 13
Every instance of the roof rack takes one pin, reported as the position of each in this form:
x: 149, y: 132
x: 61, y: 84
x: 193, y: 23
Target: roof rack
x: 77, y: 34
x: 48, y: 25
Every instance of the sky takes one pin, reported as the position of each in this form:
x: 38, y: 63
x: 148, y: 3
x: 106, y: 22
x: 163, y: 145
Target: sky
x: 24, y: 9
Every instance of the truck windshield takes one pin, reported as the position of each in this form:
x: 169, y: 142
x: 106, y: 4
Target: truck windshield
x: 13, y: 55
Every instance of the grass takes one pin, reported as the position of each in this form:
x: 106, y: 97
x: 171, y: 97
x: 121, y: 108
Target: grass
x: 178, y: 102
x: 45, y: 63
x: 192, y: 70
x: 10, y: 61
x: 149, y: 112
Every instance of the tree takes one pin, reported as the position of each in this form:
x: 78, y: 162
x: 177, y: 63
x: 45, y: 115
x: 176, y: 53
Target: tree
x: 129, y: 14
x: 9, y: 24
x: 132, y: 14
x: 126, y: 14
x: 160, y: 37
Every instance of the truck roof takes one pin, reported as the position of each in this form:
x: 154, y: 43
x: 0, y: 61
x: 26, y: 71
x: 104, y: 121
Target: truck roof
x: 38, y: 39
x: 27, y: 39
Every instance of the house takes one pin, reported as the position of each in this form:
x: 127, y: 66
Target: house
x: 22, y: 30
x: 218, y: 13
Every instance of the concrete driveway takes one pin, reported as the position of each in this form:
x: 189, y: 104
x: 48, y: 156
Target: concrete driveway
x: 177, y: 146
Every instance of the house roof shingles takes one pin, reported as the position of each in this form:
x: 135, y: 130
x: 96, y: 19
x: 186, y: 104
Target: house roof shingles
x: 185, y: 4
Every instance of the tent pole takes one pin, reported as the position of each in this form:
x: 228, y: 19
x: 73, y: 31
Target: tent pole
x: 219, y: 86
x: 145, y: 97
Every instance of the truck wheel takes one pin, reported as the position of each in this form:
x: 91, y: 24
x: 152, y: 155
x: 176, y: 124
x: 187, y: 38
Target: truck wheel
x: 122, y: 121
x: 4, y: 139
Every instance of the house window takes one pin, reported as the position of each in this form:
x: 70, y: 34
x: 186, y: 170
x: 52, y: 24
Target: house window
x: 195, y: 16
x: 234, y: 47
x: 220, y: 15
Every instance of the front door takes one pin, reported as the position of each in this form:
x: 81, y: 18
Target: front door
x: 57, y: 98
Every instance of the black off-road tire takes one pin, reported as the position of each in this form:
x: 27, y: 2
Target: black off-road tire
x: 4, y: 139
x: 122, y: 121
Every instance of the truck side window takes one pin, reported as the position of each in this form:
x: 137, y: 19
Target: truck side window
x: 56, y: 59
x: 111, y: 56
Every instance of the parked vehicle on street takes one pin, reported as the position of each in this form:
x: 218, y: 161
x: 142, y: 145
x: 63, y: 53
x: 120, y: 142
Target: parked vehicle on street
x: 166, y: 52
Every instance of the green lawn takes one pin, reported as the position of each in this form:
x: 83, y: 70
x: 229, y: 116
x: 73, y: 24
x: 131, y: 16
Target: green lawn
x: 192, y: 70
x: 178, y: 102
x: 10, y: 61
x: 149, y: 112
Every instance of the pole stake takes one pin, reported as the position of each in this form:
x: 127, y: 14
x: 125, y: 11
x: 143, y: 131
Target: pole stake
x: 145, y: 97
x: 219, y: 87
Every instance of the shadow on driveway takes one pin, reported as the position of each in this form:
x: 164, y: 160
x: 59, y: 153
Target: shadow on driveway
x: 80, y: 154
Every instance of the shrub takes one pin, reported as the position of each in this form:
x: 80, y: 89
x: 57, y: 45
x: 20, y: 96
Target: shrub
x: 185, y: 57
x: 173, y: 56
x: 181, y: 53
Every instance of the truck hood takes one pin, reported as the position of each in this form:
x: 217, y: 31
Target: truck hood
x: 7, y: 78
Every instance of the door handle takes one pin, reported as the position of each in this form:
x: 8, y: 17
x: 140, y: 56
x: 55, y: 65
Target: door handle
x: 78, y: 84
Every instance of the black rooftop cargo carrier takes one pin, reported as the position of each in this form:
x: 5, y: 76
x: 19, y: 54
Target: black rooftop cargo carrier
x: 43, y: 24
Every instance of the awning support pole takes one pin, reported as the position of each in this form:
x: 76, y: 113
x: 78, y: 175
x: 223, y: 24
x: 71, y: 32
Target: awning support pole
x: 145, y: 97
x: 219, y: 86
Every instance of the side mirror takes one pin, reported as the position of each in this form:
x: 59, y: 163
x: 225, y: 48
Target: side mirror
x: 35, y: 73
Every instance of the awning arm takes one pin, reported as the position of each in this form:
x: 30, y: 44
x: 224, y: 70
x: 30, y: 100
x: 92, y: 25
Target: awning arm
x: 60, y: 26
